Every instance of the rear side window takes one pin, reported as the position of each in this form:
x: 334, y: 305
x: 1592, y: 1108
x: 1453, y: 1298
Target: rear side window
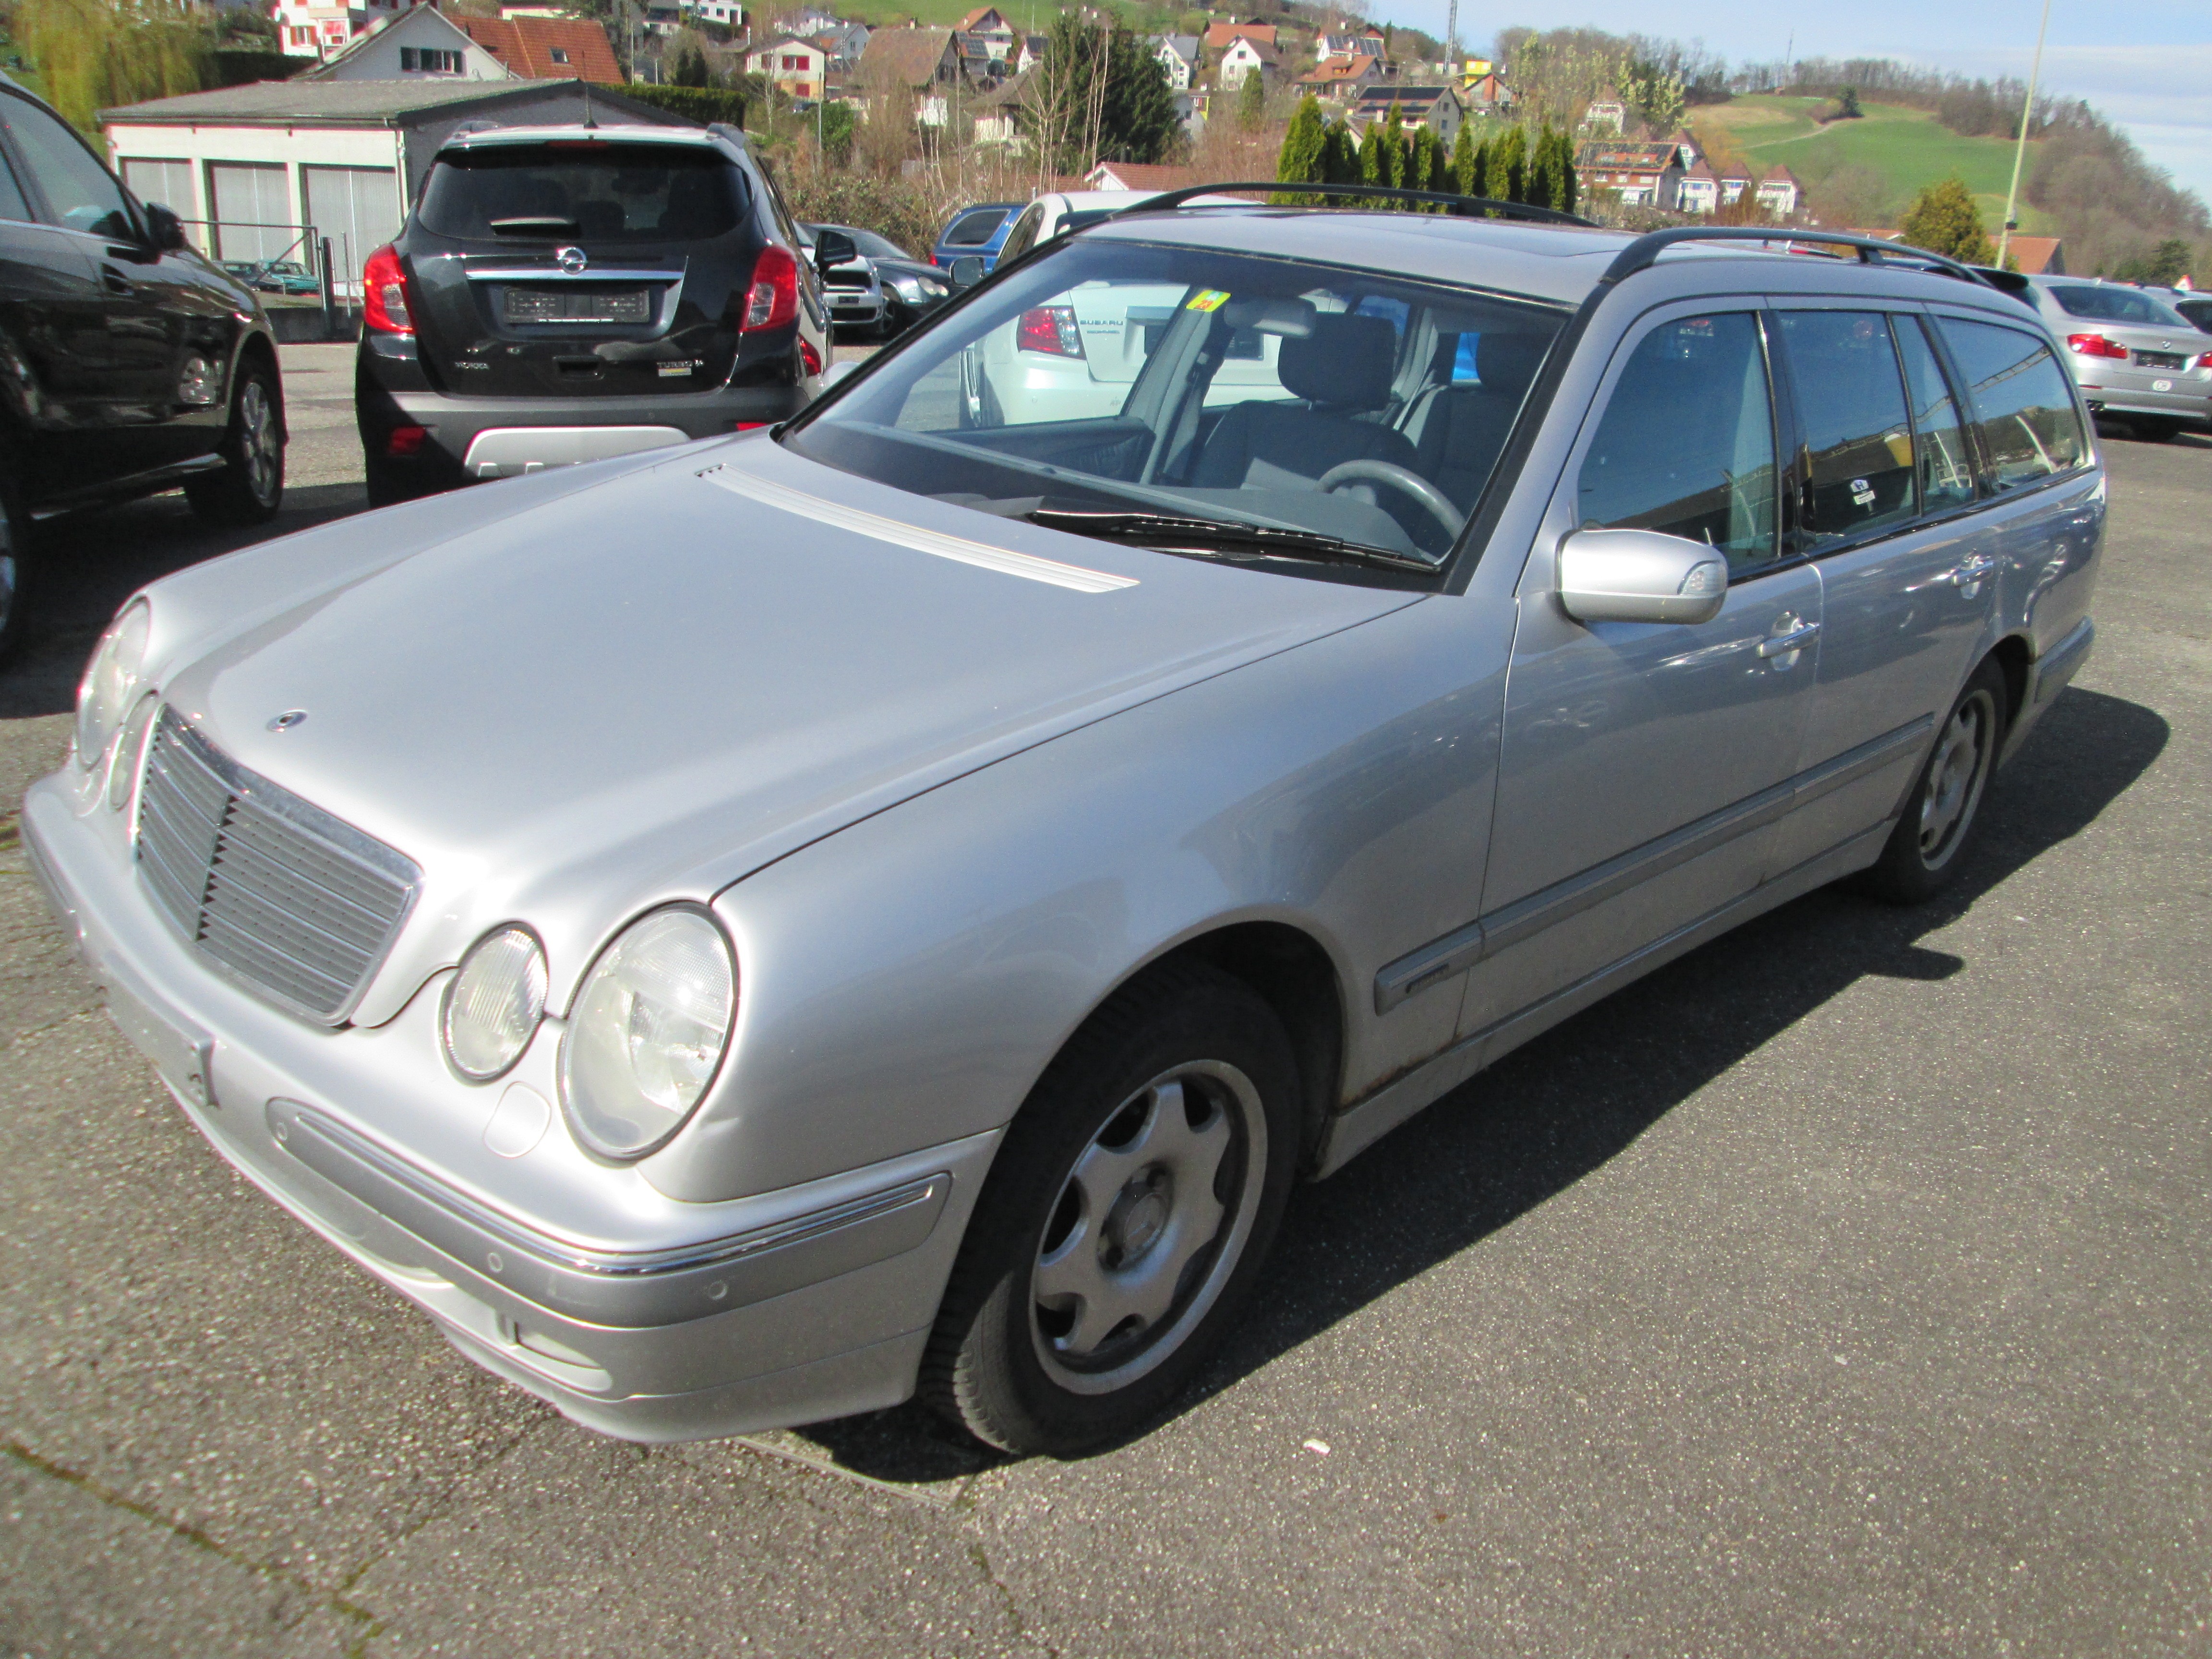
x: 588, y: 192
x: 1687, y: 442
x: 1851, y: 410
x: 2023, y: 402
x: 974, y: 229
x: 1946, y: 470
x: 2114, y: 305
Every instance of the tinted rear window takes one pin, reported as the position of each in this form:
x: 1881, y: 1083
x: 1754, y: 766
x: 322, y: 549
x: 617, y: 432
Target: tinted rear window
x: 2116, y: 305
x: 588, y: 193
x: 974, y: 229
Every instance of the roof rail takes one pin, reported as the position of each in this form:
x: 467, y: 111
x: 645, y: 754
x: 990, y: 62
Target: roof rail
x: 1459, y: 205
x: 1644, y: 252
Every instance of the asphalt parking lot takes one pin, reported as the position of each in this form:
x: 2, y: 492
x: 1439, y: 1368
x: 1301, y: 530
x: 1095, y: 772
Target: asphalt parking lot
x: 1840, y: 1289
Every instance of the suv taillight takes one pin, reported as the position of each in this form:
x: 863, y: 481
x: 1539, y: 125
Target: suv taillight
x: 773, y: 300
x: 2095, y: 345
x: 384, y: 295
x: 1049, y: 328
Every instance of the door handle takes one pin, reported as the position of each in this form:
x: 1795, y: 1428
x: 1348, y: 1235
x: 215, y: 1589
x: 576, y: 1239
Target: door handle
x: 1972, y: 572
x: 1783, y: 645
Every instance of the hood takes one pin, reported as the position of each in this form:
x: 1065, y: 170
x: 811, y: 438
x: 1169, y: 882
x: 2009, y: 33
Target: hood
x: 571, y: 696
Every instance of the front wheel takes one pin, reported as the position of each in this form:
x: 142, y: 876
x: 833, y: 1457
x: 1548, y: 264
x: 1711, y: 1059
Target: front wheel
x: 249, y: 485
x: 1124, y: 1220
x: 1940, y: 815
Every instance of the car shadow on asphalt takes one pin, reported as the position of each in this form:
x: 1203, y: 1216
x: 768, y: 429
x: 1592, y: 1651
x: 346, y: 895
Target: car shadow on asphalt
x: 87, y: 564
x: 1551, y: 1113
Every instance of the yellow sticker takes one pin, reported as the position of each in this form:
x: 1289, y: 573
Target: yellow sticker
x: 1211, y: 298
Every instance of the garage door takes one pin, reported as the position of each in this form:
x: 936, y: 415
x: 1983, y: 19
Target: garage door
x: 252, y: 219
x: 357, y: 210
x: 169, y: 183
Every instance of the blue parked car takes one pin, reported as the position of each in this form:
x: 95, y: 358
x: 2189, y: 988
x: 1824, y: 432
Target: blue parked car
x: 980, y: 229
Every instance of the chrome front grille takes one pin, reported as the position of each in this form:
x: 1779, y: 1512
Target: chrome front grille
x: 299, y: 905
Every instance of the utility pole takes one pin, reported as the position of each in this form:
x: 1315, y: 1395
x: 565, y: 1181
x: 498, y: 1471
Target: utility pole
x: 1451, y: 36
x: 2020, y: 148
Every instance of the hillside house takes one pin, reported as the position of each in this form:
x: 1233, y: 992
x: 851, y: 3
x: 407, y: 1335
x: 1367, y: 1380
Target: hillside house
x: 1701, y: 188
x: 1779, y: 192
x: 1190, y: 110
x: 547, y: 48
x: 1031, y: 53
x: 1349, y: 46
x: 1734, y: 180
x: 989, y: 25
x: 1606, y: 115
x: 1132, y: 175
x: 1487, y: 94
x: 1342, y: 79
x: 796, y: 67
x: 1641, y: 174
x: 324, y: 28
x: 728, y: 13
x: 997, y: 115
x: 1246, y: 55
x: 924, y: 62
x: 1692, y: 152
x: 1437, y: 109
x: 844, y: 43
x: 1178, y: 55
x: 1218, y: 35
x: 2041, y: 256
x: 418, y: 43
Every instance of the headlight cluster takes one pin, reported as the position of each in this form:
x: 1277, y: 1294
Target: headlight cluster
x: 104, y: 702
x: 644, y: 1035
x: 914, y: 290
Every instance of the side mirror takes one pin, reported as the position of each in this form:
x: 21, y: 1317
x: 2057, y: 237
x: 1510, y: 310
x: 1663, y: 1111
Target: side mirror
x: 967, y: 271
x: 833, y: 248
x: 837, y: 372
x: 164, y: 228
x: 1640, y: 575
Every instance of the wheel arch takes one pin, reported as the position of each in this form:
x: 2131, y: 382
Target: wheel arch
x: 2015, y: 659
x: 257, y: 350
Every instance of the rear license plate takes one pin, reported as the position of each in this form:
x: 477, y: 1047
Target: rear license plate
x: 578, y: 305
x: 2160, y: 360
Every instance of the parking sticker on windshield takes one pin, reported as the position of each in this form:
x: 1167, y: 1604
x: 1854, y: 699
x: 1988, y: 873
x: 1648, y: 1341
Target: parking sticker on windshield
x: 1207, y: 298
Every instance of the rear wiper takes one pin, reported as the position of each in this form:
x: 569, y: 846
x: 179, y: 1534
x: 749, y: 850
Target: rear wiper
x: 1174, y: 533
x: 546, y: 224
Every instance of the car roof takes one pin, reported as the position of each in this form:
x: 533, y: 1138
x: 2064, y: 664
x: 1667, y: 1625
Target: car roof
x: 1082, y: 201
x: 1559, y: 263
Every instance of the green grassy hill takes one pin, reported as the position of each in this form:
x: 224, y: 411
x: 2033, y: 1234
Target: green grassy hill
x: 1907, y: 147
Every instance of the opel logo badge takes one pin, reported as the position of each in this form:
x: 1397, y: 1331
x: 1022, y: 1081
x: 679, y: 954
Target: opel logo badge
x: 572, y: 260
x: 288, y: 720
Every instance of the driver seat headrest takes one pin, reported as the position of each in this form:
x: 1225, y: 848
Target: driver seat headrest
x: 1346, y: 362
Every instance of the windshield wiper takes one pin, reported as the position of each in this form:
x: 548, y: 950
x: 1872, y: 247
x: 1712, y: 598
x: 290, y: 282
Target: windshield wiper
x: 1172, y: 533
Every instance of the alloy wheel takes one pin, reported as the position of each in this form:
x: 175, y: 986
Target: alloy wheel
x: 1150, y: 1223
x: 257, y: 423
x: 1955, y: 776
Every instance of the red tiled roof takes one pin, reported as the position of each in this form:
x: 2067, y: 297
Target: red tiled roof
x: 526, y: 46
x: 1218, y: 35
x: 1139, y: 175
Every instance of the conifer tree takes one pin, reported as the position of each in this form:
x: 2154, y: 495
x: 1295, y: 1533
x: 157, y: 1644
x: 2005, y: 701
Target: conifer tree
x: 1421, y: 167
x: 1463, y: 162
x: 1944, y: 220
x: 1304, y: 157
x: 1509, y: 166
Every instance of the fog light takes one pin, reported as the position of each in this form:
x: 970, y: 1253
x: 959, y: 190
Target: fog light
x: 406, y: 440
x: 494, y: 1004
x: 197, y: 384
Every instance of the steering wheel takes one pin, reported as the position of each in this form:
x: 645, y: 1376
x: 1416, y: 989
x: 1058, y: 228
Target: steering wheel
x: 1431, y: 499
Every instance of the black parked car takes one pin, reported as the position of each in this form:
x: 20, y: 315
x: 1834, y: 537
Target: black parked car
x: 128, y: 363
x: 882, y: 290
x: 567, y: 294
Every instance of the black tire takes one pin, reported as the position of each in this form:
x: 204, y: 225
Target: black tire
x: 250, y: 487
x: 389, y: 485
x: 16, y: 568
x: 1188, y: 1071
x: 1942, y: 810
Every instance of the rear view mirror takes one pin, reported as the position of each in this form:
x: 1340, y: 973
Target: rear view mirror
x: 967, y: 271
x: 833, y: 248
x: 1640, y: 575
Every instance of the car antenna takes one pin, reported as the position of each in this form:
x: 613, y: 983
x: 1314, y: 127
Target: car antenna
x: 590, y: 125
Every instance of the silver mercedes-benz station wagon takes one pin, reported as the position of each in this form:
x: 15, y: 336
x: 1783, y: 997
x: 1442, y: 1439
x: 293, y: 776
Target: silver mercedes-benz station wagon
x: 750, y: 932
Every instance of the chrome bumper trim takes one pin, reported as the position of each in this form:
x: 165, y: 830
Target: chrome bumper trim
x: 623, y: 1289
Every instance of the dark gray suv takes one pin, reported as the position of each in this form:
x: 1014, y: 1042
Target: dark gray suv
x: 569, y: 293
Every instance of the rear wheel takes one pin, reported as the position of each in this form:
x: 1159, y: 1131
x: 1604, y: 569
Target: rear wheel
x: 1940, y: 815
x: 250, y: 487
x: 1124, y: 1220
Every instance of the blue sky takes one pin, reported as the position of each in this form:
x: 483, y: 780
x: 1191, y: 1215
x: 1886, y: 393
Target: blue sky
x: 2145, y: 64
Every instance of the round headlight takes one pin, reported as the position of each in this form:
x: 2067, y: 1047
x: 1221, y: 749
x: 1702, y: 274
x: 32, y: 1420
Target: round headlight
x: 647, y: 1032
x: 109, y: 680
x: 494, y: 1004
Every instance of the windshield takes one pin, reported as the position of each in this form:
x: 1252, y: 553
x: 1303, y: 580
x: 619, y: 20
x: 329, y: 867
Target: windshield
x: 1138, y: 385
x: 583, y: 190
x: 2118, y: 304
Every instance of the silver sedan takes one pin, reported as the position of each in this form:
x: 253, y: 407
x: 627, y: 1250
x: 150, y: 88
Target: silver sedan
x: 745, y: 933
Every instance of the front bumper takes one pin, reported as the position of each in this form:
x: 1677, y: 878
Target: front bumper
x: 650, y: 1319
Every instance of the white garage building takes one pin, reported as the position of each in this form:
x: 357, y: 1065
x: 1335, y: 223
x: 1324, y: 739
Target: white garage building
x: 261, y: 171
